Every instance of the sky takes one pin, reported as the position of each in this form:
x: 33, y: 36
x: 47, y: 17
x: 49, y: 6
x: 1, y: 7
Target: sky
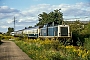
x: 26, y: 11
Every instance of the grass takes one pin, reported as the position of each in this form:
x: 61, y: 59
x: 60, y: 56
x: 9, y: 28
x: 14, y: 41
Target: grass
x: 52, y: 50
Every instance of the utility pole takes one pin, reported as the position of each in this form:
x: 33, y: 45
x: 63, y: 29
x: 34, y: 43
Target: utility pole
x: 14, y: 23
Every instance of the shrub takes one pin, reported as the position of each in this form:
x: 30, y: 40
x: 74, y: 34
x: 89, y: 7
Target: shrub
x: 87, y: 43
x: 7, y: 37
x: 1, y: 37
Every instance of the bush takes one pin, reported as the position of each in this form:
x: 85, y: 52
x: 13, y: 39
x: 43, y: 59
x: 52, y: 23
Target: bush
x: 7, y: 37
x: 1, y: 37
x: 87, y: 43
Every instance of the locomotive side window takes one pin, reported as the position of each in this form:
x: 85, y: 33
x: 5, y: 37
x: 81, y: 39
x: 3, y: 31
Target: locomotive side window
x: 43, y: 32
x: 50, y: 32
x: 55, y: 31
x: 64, y: 31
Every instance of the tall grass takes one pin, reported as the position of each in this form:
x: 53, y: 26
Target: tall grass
x: 52, y: 50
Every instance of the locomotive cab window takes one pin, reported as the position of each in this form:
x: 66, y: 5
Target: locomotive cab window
x: 64, y: 31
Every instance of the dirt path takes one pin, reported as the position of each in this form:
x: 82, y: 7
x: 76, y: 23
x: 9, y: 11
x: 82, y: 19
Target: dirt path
x: 10, y: 51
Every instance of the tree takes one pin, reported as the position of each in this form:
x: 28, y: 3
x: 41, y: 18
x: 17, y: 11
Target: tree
x: 76, y: 28
x: 0, y: 32
x: 30, y: 27
x: 54, y: 16
x: 10, y: 30
x: 43, y: 18
x: 25, y: 27
x: 86, y: 30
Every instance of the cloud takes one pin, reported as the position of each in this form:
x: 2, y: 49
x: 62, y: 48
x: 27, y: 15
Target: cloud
x: 6, y: 9
x: 29, y: 16
x: 7, y: 12
x: 79, y: 9
x: 4, y: 26
x: 76, y: 12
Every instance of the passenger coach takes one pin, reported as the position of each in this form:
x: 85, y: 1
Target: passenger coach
x: 32, y: 32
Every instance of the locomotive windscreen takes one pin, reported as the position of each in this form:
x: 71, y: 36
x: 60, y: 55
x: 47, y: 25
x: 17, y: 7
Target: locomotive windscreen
x: 64, y: 31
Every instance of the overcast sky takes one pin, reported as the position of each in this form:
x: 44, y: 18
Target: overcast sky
x: 27, y: 11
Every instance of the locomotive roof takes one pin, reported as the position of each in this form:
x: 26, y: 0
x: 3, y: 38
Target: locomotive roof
x: 32, y: 28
